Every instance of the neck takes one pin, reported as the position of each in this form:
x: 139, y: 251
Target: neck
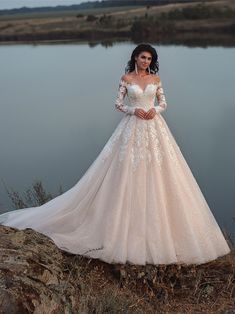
x: 141, y: 72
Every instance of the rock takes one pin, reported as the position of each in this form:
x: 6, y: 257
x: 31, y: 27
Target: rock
x: 32, y: 276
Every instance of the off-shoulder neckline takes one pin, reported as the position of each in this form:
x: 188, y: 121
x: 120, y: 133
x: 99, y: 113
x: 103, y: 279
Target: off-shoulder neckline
x: 135, y: 84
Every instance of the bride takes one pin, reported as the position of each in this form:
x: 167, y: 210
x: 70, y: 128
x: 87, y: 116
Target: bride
x: 138, y: 202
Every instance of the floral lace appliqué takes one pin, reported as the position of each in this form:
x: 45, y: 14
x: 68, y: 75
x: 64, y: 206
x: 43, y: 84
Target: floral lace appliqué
x: 137, y: 141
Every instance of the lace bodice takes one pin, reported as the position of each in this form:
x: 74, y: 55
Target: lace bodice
x: 140, y: 98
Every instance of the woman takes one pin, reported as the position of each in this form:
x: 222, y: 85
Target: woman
x: 138, y: 202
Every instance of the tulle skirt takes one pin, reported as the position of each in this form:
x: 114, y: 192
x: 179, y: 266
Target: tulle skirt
x: 137, y: 203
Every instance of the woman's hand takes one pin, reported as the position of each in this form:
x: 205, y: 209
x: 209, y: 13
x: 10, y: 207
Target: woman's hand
x: 141, y: 113
x: 150, y: 114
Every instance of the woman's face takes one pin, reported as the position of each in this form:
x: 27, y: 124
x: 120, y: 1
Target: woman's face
x: 143, y: 60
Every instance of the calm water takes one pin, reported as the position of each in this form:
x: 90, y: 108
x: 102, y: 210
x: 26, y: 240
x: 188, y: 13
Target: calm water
x: 57, y: 112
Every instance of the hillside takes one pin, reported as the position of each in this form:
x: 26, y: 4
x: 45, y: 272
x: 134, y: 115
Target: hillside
x: 210, y: 22
x: 86, y: 5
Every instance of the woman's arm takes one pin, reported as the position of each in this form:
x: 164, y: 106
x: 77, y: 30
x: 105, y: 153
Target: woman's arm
x: 119, y: 102
x: 161, y: 99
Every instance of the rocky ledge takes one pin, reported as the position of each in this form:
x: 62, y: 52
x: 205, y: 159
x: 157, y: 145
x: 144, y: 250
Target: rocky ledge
x: 37, y: 277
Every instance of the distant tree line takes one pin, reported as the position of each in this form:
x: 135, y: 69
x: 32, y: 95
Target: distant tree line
x: 144, y: 26
x: 198, y: 12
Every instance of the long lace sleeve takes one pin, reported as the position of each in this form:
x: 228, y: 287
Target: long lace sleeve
x: 119, y: 102
x: 161, y: 99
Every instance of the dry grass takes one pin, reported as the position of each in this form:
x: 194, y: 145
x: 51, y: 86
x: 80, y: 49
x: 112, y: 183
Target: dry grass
x: 35, y: 195
x: 107, y: 288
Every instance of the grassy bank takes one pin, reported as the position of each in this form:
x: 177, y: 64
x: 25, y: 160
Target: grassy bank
x: 211, y: 21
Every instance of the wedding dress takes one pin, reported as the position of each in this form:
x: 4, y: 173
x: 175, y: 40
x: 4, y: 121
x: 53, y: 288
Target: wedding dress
x: 138, y: 202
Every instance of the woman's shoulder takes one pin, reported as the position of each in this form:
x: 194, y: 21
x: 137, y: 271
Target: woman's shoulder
x: 126, y: 77
x: 156, y: 78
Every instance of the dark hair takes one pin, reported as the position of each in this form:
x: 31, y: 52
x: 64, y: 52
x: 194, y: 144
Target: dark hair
x: 154, y: 65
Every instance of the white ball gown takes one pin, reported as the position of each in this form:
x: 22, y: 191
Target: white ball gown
x: 138, y: 202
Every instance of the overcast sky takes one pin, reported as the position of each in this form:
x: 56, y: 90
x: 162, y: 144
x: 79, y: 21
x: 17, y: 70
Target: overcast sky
x: 10, y: 4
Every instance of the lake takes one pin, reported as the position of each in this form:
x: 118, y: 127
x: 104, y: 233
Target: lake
x: 57, y: 113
